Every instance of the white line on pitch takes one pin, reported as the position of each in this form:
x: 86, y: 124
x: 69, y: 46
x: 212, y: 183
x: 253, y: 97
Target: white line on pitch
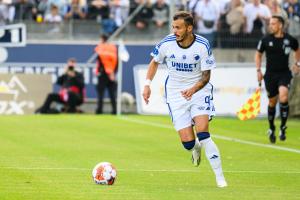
x: 150, y: 170
x: 216, y: 136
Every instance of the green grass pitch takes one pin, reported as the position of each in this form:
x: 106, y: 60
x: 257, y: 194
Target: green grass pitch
x: 51, y: 157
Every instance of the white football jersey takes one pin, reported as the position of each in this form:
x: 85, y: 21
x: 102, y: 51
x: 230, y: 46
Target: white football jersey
x: 184, y: 64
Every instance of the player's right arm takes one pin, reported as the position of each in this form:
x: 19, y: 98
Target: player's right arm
x: 150, y: 75
x: 258, y: 59
x: 158, y: 55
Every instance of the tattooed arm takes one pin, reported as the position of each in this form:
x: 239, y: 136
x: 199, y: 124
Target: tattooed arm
x: 187, y: 94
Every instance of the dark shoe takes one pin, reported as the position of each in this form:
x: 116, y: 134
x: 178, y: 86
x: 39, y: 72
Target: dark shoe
x: 282, y: 130
x: 38, y: 111
x: 41, y: 110
x: 272, y: 136
x: 98, y: 112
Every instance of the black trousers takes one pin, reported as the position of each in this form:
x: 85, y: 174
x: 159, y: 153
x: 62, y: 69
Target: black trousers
x: 103, y: 83
x: 73, y: 101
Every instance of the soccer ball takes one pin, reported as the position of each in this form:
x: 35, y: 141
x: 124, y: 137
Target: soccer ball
x: 104, y: 173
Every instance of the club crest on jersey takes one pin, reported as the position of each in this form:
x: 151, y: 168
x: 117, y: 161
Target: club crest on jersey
x: 196, y: 57
x: 270, y: 44
x: 210, y: 61
x: 155, y: 51
x: 286, y: 42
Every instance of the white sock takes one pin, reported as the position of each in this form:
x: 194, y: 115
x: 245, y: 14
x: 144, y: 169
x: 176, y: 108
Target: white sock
x: 213, y: 156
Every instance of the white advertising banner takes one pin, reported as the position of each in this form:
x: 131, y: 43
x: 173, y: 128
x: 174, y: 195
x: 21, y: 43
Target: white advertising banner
x: 233, y: 86
x: 157, y: 103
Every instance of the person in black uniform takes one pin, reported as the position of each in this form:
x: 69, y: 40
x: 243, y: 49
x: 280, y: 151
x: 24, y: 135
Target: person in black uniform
x: 107, y: 65
x: 278, y: 75
x: 71, y: 93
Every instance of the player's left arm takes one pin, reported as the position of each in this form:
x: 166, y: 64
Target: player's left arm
x: 188, y: 93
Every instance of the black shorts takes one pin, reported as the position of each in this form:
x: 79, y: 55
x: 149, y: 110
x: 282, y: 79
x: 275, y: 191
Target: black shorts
x: 274, y: 80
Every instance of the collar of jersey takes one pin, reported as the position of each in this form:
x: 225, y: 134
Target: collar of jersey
x: 189, y: 45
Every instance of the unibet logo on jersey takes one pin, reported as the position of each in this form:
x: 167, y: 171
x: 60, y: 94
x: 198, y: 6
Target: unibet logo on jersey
x: 185, y: 67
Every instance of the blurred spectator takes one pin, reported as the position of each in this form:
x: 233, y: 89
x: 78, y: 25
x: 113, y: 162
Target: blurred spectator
x: 7, y: 11
x: 25, y: 9
x: 101, y: 10
x: 224, y: 6
x: 292, y: 7
x: 60, y: 5
x: 235, y: 17
x: 234, y: 20
x: 53, y: 16
x: 41, y: 6
x: 277, y: 10
x: 207, y: 16
x: 75, y: 10
x: 191, y: 7
x: 160, y: 13
x: 223, y: 27
x: 98, y: 9
x: 119, y: 10
x: 133, y: 4
x: 257, y: 16
x: 71, y: 93
x: 180, y: 5
x: 107, y: 63
x: 143, y: 18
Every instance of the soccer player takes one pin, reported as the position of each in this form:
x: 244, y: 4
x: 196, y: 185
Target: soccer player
x: 277, y: 46
x: 189, y: 97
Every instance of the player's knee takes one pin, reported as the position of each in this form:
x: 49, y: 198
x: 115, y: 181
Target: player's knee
x: 283, y: 98
x: 203, y: 135
x: 272, y: 103
x: 188, y: 145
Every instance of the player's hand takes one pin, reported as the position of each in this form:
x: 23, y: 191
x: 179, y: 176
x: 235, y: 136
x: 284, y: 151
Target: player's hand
x: 188, y: 93
x: 146, y: 93
x: 259, y: 76
x: 112, y: 76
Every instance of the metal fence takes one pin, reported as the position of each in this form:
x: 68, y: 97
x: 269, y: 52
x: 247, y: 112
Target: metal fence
x: 83, y: 30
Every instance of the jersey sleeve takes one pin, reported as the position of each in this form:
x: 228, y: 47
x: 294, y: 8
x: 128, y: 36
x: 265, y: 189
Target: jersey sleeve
x: 261, y: 46
x: 207, y: 58
x: 158, y: 52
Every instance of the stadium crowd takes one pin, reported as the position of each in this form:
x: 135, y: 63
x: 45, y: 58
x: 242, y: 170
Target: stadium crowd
x: 229, y: 20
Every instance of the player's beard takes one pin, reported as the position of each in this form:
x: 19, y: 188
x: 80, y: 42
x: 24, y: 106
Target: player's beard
x: 183, y: 37
x: 275, y: 31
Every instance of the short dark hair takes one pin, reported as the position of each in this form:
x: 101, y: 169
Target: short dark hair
x: 104, y: 37
x: 72, y: 60
x: 279, y: 18
x: 186, y: 16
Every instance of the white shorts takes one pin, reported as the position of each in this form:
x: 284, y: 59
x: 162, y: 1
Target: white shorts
x: 183, y: 112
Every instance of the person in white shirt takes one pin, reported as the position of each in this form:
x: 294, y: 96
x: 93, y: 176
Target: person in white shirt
x: 189, y: 97
x: 207, y: 15
x: 257, y: 16
x: 53, y: 16
x: 253, y: 11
